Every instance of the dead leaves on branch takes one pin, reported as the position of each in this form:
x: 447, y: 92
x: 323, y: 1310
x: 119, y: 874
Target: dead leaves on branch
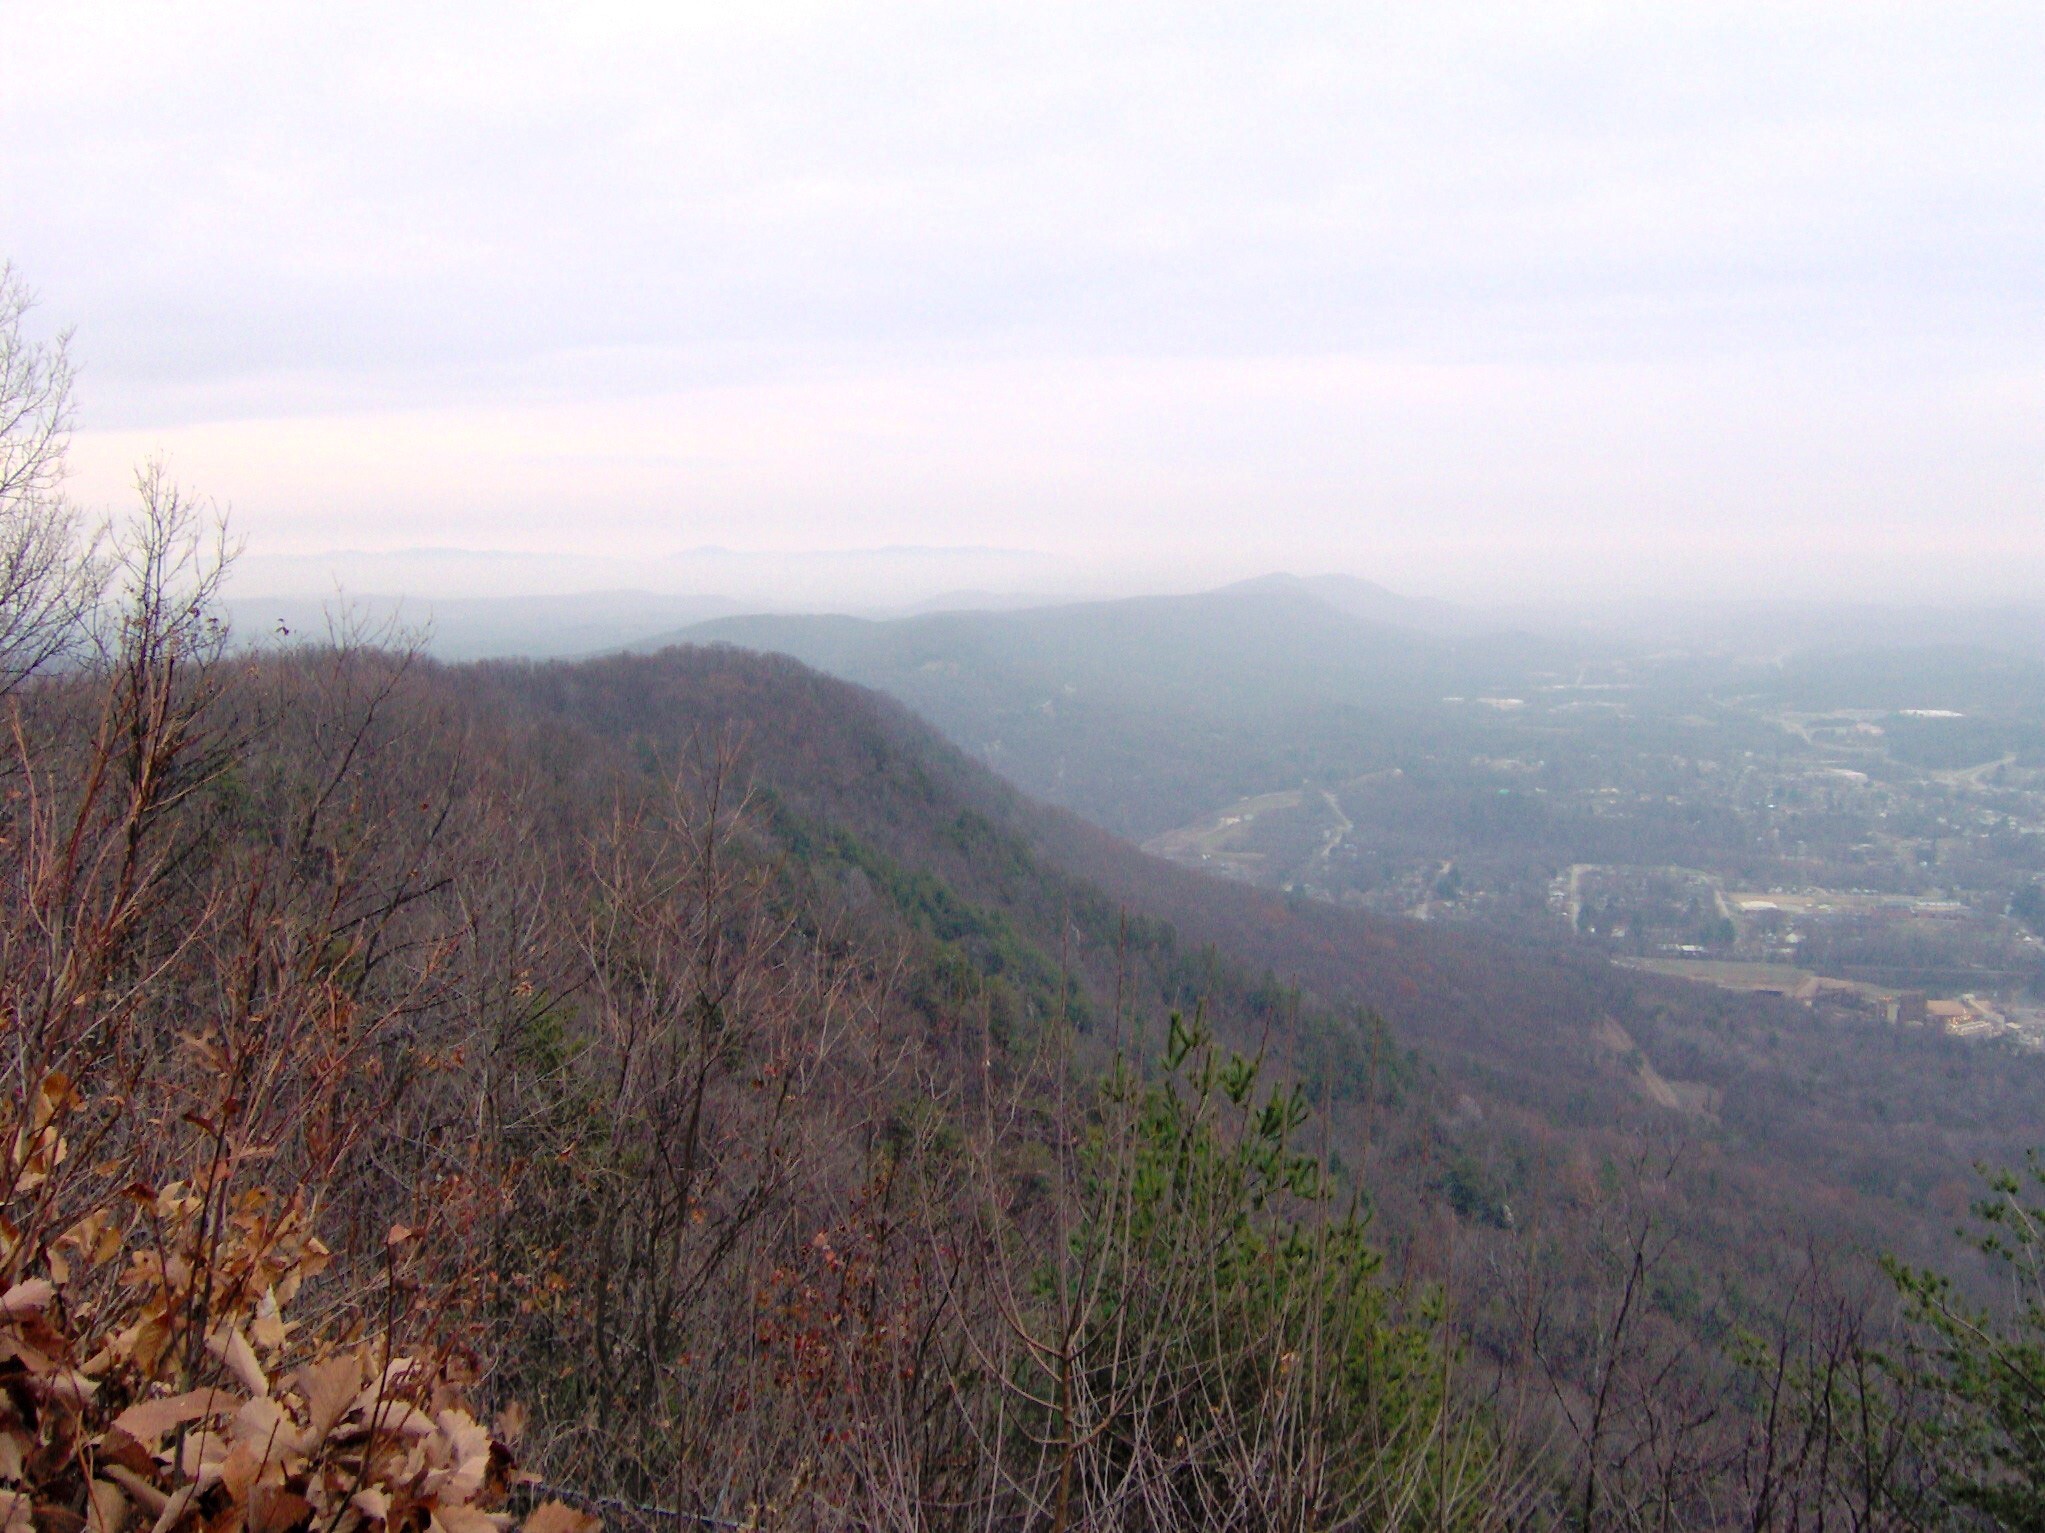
x: 178, y: 1396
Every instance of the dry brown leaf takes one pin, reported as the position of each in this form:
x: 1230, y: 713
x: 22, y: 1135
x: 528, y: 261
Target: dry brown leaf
x: 395, y: 1375
x: 394, y: 1417
x: 510, y: 1424
x: 468, y: 1445
x: 329, y: 1389
x: 57, y: 1095
x: 148, y: 1421
x: 175, y: 1508
x: 96, y: 1238
x: 243, y: 1468
x: 144, y: 1343
x: 17, y: 1512
x: 403, y: 1465
x: 268, y: 1327
x: 68, y: 1390
x: 233, y: 1349
x: 560, y: 1517
x: 372, y: 1503
x: 145, y: 1495
x: 201, y: 1454
x: 453, y: 1487
x: 264, y: 1426
x: 272, y: 1509
x: 25, y: 1299
x: 312, y: 1261
x: 106, y: 1508
x: 465, y: 1519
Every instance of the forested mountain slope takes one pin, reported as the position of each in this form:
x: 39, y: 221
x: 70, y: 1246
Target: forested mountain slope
x: 1861, y: 1123
x: 666, y: 1117
x: 730, y: 1086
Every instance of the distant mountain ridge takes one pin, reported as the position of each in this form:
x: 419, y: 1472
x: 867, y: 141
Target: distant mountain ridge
x: 1144, y: 712
x: 1372, y: 602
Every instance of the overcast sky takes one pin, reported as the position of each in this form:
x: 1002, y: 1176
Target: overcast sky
x: 1475, y: 300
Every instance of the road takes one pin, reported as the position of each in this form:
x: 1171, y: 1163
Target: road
x: 1343, y: 826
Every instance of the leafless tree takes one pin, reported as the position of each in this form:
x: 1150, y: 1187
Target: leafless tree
x: 49, y: 578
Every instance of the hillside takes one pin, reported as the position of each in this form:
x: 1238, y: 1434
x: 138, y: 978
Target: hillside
x: 665, y: 1117
x: 701, y: 1054
x: 1817, y: 1118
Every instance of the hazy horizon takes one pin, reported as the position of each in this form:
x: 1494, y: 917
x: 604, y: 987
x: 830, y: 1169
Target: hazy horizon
x: 1481, y: 304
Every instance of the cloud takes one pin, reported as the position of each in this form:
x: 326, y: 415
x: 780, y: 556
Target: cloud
x: 1374, y: 280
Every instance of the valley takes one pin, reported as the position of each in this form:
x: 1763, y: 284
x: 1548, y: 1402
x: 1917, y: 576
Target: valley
x: 1873, y: 817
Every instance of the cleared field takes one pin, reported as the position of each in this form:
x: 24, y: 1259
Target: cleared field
x: 1821, y: 902
x: 1727, y: 974
x: 1769, y: 979
x: 1264, y: 837
x: 1223, y: 830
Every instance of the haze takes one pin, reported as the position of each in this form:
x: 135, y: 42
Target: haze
x: 1481, y: 302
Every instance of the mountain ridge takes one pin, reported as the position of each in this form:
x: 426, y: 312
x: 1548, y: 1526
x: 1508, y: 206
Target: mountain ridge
x: 1528, y: 1033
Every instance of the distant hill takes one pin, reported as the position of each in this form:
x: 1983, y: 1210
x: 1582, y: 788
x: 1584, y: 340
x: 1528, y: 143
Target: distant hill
x: 1145, y: 713
x: 1374, y: 603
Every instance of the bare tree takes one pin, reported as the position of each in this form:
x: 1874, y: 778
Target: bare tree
x: 48, y: 578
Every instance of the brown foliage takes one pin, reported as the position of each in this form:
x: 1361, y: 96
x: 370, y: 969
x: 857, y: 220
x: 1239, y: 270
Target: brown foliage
x: 150, y: 1372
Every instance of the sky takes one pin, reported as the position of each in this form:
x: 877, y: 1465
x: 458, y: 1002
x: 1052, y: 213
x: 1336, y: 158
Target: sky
x: 1479, y: 301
